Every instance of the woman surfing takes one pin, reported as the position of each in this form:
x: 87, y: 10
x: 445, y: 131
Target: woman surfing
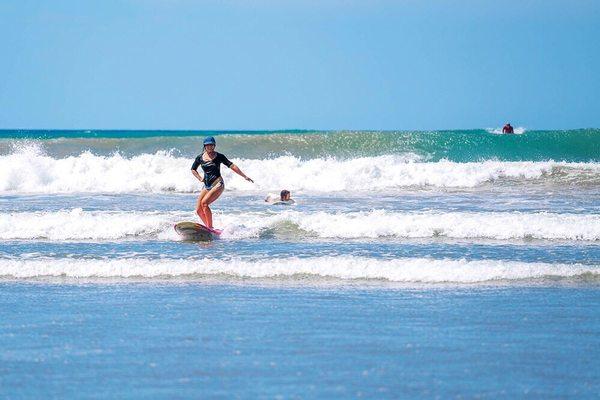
x: 211, y: 161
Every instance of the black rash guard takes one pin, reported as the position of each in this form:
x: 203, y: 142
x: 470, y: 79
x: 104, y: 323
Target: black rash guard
x: 212, y: 168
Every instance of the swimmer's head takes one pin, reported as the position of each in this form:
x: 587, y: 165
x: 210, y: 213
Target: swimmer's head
x: 285, y: 195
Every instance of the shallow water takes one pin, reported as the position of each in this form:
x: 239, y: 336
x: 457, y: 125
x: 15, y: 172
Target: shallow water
x: 422, y: 264
x: 246, y: 341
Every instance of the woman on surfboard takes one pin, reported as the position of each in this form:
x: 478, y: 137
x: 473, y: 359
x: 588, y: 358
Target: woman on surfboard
x: 211, y: 161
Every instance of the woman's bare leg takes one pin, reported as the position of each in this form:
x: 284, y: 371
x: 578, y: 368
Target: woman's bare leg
x: 209, y: 198
x: 199, y: 210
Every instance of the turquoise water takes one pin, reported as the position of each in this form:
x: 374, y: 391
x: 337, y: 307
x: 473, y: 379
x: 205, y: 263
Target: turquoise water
x: 461, y: 146
x: 125, y: 134
x: 414, y: 264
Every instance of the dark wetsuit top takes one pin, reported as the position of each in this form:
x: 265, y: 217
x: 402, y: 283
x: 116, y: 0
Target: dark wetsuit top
x: 212, y: 169
x: 508, y: 129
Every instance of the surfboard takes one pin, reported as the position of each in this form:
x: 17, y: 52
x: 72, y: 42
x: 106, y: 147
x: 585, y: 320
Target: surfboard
x: 196, y: 232
x: 283, y: 203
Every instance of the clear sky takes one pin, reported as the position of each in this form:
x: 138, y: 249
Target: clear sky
x: 184, y: 64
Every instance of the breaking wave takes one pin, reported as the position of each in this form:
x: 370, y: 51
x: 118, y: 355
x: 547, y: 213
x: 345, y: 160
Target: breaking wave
x: 29, y: 170
x: 580, y: 145
x: 410, y: 270
x: 77, y: 224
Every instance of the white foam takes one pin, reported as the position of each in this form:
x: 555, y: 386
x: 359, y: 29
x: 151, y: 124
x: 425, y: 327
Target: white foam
x: 77, y: 224
x: 28, y: 170
x: 460, y: 225
x: 343, y: 267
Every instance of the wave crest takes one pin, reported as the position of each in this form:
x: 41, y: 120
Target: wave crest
x: 111, y: 225
x: 410, y: 270
x: 579, y: 145
x: 30, y: 171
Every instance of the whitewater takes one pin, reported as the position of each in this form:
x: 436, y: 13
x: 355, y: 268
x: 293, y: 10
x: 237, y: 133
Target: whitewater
x: 412, y: 270
x: 29, y: 170
x: 464, y: 207
x: 76, y: 224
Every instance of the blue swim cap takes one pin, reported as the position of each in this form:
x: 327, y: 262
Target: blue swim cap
x: 210, y: 140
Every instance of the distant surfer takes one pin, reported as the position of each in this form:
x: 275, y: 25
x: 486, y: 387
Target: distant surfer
x: 211, y: 161
x: 508, y: 128
x: 285, y: 197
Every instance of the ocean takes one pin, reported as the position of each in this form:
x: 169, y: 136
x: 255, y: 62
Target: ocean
x: 458, y: 263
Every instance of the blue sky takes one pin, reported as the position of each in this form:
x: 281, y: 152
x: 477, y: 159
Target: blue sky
x: 184, y: 64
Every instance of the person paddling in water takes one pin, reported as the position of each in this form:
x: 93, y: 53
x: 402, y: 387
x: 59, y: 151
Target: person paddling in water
x: 211, y: 161
x: 508, y: 128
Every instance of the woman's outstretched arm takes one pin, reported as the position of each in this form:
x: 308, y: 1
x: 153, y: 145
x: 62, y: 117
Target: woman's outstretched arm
x: 240, y: 173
